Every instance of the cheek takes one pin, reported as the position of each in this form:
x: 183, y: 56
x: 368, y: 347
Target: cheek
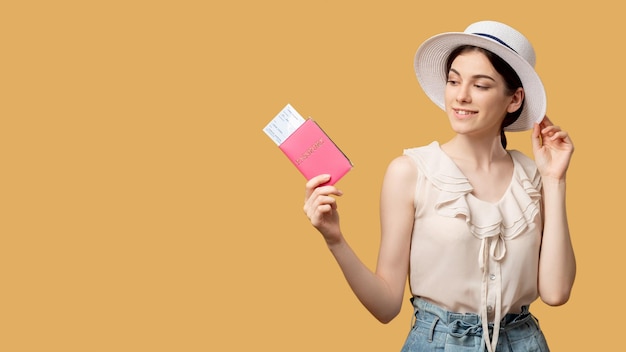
x: 448, y: 94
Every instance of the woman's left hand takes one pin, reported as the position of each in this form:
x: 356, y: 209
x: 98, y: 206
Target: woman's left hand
x: 553, y: 149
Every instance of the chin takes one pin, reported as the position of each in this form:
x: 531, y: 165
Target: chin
x: 460, y: 127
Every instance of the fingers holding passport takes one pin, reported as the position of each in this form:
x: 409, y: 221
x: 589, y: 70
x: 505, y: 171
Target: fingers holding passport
x: 320, y: 205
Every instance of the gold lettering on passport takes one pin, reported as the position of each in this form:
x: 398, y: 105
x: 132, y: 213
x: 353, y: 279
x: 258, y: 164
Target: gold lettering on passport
x: 309, y: 151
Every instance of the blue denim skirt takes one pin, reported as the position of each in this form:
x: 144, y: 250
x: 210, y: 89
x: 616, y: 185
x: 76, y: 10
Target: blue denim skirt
x: 436, y: 329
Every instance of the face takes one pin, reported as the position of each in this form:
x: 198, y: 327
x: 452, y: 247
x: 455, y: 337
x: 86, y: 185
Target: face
x: 476, y: 96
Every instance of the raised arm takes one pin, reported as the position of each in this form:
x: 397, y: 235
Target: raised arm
x: 553, y: 150
x: 381, y: 292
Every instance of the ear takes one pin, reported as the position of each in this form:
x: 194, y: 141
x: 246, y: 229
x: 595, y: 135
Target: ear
x: 516, y: 100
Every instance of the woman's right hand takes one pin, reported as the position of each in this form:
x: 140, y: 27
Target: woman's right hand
x: 320, y: 206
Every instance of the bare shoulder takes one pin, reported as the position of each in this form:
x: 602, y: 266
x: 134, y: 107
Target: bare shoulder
x: 397, y: 199
x: 402, y: 168
x: 400, y: 180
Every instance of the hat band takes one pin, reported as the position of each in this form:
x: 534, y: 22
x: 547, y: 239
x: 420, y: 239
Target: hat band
x: 496, y: 39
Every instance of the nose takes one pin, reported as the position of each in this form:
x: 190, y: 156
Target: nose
x: 463, y: 93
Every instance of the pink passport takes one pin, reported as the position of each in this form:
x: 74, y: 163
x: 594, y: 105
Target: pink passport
x: 313, y: 153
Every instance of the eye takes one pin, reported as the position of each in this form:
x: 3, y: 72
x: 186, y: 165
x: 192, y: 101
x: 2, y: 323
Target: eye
x: 482, y: 87
x: 452, y: 82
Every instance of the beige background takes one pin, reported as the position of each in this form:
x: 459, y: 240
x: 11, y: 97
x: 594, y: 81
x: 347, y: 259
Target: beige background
x: 143, y: 209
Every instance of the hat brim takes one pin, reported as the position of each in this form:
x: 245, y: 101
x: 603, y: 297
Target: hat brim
x: 430, y: 68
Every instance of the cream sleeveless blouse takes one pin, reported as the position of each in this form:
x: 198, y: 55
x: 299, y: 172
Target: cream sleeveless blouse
x: 469, y: 255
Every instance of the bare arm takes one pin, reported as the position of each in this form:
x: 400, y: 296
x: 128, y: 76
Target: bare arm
x: 557, y: 264
x: 381, y: 292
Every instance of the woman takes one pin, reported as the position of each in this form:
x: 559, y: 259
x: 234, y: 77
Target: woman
x: 480, y: 231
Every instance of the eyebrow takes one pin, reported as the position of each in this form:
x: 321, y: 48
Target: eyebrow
x: 475, y: 76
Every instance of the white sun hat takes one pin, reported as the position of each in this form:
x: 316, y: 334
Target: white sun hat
x: 500, y: 39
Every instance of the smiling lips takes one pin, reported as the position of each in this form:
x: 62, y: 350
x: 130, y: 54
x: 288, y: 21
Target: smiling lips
x: 464, y: 113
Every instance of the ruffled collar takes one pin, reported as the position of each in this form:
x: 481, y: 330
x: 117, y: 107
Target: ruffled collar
x: 506, y: 218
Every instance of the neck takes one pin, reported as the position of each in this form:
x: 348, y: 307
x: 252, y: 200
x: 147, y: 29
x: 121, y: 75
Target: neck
x: 479, y: 153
